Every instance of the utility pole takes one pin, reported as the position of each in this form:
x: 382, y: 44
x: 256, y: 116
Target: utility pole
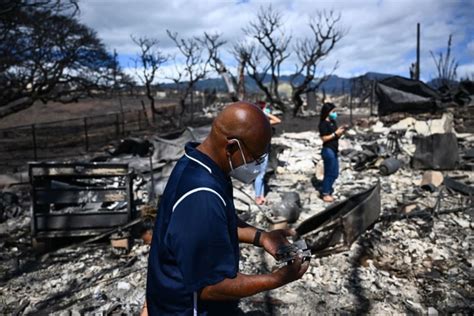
x: 350, y: 100
x: 417, y: 75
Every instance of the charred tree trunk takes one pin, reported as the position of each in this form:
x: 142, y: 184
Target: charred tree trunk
x: 241, y: 86
x: 297, y: 100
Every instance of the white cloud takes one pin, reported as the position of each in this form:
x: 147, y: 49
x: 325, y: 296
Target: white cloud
x: 381, y: 34
x: 470, y: 48
x: 466, y: 71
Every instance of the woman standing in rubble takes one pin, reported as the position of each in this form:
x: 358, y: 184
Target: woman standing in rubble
x: 330, y: 134
x: 259, y: 185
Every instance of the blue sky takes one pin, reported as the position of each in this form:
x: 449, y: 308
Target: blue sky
x: 381, y: 35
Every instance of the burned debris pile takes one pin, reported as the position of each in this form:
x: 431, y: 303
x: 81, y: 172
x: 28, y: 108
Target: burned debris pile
x: 414, y: 258
x: 409, y: 252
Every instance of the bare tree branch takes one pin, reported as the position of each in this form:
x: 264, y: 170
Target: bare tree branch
x: 446, y: 66
x: 242, y: 55
x: 272, y: 51
x: 213, y: 42
x: 149, y: 60
x: 311, y: 51
x: 196, y: 63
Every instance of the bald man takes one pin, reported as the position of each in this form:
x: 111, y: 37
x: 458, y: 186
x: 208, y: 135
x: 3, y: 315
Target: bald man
x: 194, y: 257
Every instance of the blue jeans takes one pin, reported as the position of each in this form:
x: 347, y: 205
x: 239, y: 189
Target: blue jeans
x: 331, y: 170
x: 259, y: 185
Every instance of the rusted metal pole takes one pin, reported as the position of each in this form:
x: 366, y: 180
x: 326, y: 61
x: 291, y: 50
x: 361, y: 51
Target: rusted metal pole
x: 86, y: 134
x: 417, y: 51
x: 33, y: 133
x: 122, y: 113
x: 152, y: 192
x: 139, y: 120
x: 350, y: 102
x: 144, y: 112
x: 372, y: 98
x: 33, y: 202
x: 117, y: 126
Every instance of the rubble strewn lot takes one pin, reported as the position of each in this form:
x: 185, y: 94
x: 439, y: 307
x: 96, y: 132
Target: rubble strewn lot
x: 404, y: 264
x: 417, y: 258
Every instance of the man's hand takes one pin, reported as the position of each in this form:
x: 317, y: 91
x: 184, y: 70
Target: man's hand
x: 274, y: 239
x: 291, y: 272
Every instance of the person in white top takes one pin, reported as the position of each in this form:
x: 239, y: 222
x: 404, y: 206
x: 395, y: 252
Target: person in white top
x: 259, y: 184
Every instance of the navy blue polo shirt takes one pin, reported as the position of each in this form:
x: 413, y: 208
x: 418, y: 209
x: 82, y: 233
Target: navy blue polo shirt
x: 195, y: 242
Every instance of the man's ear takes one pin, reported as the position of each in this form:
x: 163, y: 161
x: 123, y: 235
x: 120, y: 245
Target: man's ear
x: 231, y: 147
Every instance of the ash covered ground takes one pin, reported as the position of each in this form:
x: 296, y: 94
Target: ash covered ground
x: 416, y: 258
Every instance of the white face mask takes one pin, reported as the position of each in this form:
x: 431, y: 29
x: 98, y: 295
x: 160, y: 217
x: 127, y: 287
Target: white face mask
x: 247, y: 172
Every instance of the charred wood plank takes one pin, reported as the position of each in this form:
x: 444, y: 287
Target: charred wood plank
x: 458, y: 186
x: 92, y: 169
x: 77, y: 196
x: 92, y: 220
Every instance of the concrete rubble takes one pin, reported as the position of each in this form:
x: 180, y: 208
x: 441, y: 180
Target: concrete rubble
x: 417, y: 258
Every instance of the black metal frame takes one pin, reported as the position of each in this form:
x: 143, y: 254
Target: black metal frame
x: 48, y: 224
x: 343, y: 222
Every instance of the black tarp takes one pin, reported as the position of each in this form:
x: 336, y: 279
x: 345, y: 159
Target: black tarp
x: 398, y: 94
x: 437, y: 151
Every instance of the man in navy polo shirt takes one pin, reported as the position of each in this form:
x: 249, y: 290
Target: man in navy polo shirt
x: 194, y: 258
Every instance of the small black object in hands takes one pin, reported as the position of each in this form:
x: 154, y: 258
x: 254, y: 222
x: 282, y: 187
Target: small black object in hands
x: 288, y: 253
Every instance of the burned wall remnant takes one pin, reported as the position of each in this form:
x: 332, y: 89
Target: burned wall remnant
x: 437, y: 151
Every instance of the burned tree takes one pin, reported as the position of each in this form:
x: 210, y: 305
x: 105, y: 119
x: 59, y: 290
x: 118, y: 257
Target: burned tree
x: 12, y: 14
x: 446, y: 67
x: 311, y: 51
x: 47, y: 55
x: 250, y: 57
x: 121, y: 82
x: 213, y: 42
x: 195, y: 68
x: 265, y: 56
x: 361, y: 89
x: 242, y: 58
x: 148, y: 62
x: 242, y: 53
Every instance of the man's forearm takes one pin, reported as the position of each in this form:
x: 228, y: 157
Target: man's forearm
x: 241, y: 286
x: 245, y: 232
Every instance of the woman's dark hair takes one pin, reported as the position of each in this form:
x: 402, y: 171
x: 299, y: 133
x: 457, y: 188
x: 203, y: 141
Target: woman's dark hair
x: 147, y: 224
x: 325, y: 109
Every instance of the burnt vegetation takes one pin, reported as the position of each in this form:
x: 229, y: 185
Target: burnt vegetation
x: 48, y: 55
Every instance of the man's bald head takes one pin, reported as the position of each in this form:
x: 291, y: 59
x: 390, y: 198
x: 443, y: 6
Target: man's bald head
x: 246, y: 122
x: 243, y: 121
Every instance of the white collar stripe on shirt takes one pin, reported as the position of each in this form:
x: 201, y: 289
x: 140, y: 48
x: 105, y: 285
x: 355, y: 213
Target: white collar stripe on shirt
x: 194, y: 191
x: 197, y: 161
